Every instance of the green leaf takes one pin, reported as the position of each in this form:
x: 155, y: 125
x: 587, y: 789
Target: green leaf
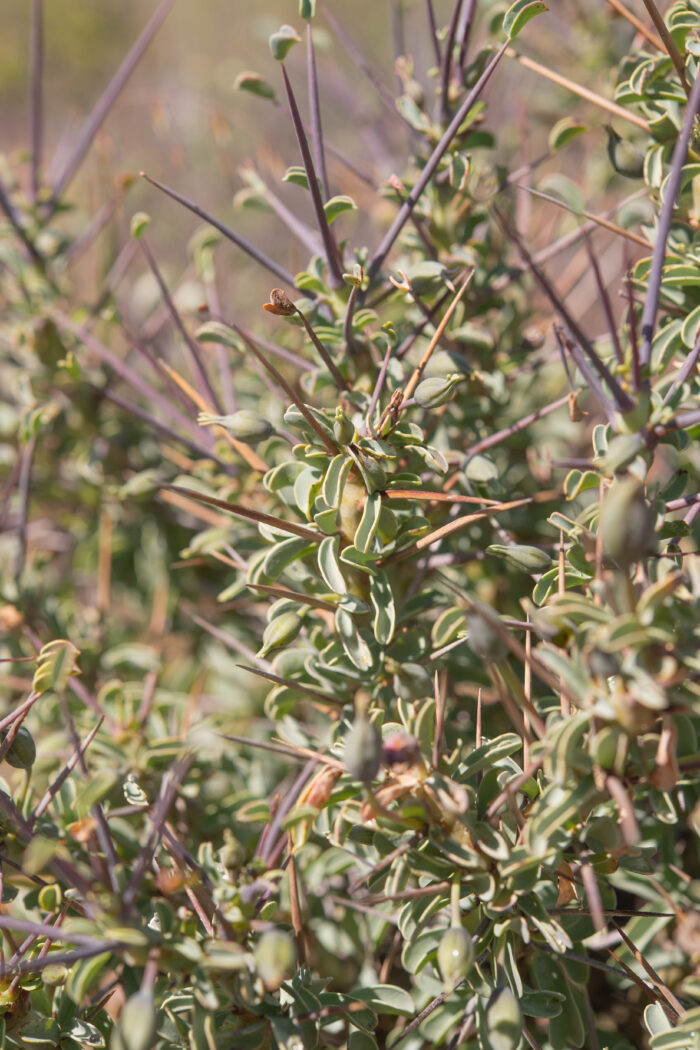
x: 282, y: 42
x: 337, y: 205
x: 255, y: 84
x: 328, y: 564
x: 519, y: 14
x: 296, y: 175
x: 565, y: 190
x: 387, y: 999
x: 368, y: 523
x: 56, y: 663
x: 563, y: 132
x: 307, y: 9
x: 353, y: 643
x: 382, y: 599
x: 139, y: 222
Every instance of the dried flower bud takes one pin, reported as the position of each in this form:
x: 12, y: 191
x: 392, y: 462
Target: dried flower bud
x: 244, y: 425
x: 343, y: 429
x: 431, y: 393
x: 280, y: 304
x: 455, y: 956
x: 280, y: 632
x: 275, y: 958
x: 400, y: 749
x: 520, y: 556
x: 504, y: 1020
x: 627, y: 523
x: 22, y: 752
x: 363, y: 751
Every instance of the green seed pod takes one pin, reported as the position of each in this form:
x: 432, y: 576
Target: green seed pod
x: 22, y: 751
x: 504, y: 1020
x: 54, y: 974
x: 243, y: 426
x: 431, y: 393
x: 138, y: 1022
x: 455, y: 956
x: 627, y: 523
x: 412, y: 682
x: 275, y: 958
x: 625, y: 158
x: 483, y: 639
x: 520, y: 556
x: 343, y: 429
x: 280, y: 632
x: 363, y: 751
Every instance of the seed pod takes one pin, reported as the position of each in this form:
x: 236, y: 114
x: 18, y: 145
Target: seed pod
x: 363, y: 751
x: 504, y: 1020
x: 343, y: 428
x: 520, y: 556
x: 275, y: 958
x: 22, y: 751
x: 54, y: 974
x: 243, y: 426
x: 483, y: 639
x: 280, y: 632
x: 431, y: 393
x: 138, y: 1022
x: 455, y: 956
x: 627, y: 523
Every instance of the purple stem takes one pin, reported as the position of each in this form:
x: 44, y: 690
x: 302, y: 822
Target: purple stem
x: 430, y: 11
x: 502, y: 435
x: 446, y: 69
x: 465, y: 32
x: 605, y: 300
x: 432, y: 164
x: 685, y: 370
x: 23, y: 485
x: 241, y: 242
x: 203, y: 382
x: 316, y: 129
x: 622, y: 400
x: 680, y: 154
x: 332, y: 254
x: 36, y: 65
x: 107, y: 100
x: 127, y: 374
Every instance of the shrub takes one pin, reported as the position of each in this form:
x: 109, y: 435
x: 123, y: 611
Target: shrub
x: 465, y: 811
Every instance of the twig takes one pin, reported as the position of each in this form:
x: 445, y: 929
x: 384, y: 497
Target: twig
x: 432, y: 164
x: 670, y: 47
x: 637, y: 23
x: 651, y: 302
x: 36, y: 67
x: 577, y: 89
x: 230, y: 234
x: 106, y: 101
x: 316, y: 128
x: 332, y: 254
